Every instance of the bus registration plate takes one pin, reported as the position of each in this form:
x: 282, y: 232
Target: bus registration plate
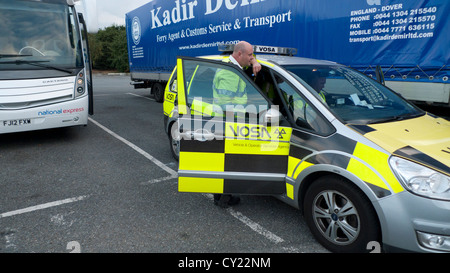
x: 16, y: 122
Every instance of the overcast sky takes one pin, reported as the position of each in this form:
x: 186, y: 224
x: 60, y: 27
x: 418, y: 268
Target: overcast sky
x: 105, y: 13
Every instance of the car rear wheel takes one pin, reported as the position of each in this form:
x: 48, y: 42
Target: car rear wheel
x: 174, y: 140
x: 339, y: 215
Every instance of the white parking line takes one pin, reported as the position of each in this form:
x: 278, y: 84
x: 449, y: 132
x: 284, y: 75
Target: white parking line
x: 255, y: 226
x: 136, y: 95
x: 250, y: 223
x: 43, y: 206
x: 157, y: 180
x: 137, y: 149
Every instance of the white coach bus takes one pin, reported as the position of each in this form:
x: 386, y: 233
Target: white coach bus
x: 45, y: 68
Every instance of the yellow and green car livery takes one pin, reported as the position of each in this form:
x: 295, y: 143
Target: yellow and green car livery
x: 349, y: 152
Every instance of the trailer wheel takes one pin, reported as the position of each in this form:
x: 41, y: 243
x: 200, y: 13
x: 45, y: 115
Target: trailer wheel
x: 158, y: 91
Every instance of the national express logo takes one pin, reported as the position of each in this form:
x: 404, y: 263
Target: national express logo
x: 60, y: 111
x: 136, y: 30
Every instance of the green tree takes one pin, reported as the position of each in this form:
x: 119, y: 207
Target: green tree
x: 119, y: 58
x: 109, y: 49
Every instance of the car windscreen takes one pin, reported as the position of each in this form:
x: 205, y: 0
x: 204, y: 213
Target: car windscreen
x: 353, y: 97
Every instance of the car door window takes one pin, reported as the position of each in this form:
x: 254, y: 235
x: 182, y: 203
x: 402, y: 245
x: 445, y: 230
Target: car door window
x: 303, y: 113
x: 218, y: 89
x: 173, y: 82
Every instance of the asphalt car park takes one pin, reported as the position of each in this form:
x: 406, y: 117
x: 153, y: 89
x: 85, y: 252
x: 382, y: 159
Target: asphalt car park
x: 112, y: 187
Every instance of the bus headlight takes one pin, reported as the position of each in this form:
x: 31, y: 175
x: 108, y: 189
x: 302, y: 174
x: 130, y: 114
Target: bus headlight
x: 421, y: 180
x: 79, y: 85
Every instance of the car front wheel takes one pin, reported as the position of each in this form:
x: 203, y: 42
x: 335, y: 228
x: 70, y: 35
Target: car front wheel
x: 339, y: 215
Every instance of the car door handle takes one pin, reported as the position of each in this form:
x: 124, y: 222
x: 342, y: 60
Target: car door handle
x: 202, y: 135
x: 199, y: 135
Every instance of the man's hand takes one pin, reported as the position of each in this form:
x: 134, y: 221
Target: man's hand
x: 256, y: 67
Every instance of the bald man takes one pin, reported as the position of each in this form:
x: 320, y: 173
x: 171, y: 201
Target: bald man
x: 243, y: 57
x: 230, y: 89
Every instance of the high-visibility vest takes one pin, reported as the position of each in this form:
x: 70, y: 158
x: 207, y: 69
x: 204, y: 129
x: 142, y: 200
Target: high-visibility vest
x: 269, y: 89
x: 229, y: 88
x: 322, y: 95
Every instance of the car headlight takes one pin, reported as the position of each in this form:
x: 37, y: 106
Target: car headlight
x: 421, y: 180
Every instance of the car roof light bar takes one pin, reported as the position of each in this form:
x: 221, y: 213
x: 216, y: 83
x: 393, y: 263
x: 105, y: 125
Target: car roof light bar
x: 287, y: 51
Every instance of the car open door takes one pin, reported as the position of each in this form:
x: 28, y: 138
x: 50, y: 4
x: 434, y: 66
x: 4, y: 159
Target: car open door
x: 243, y: 151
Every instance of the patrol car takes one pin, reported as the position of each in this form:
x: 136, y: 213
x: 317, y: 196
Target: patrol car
x: 364, y: 166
